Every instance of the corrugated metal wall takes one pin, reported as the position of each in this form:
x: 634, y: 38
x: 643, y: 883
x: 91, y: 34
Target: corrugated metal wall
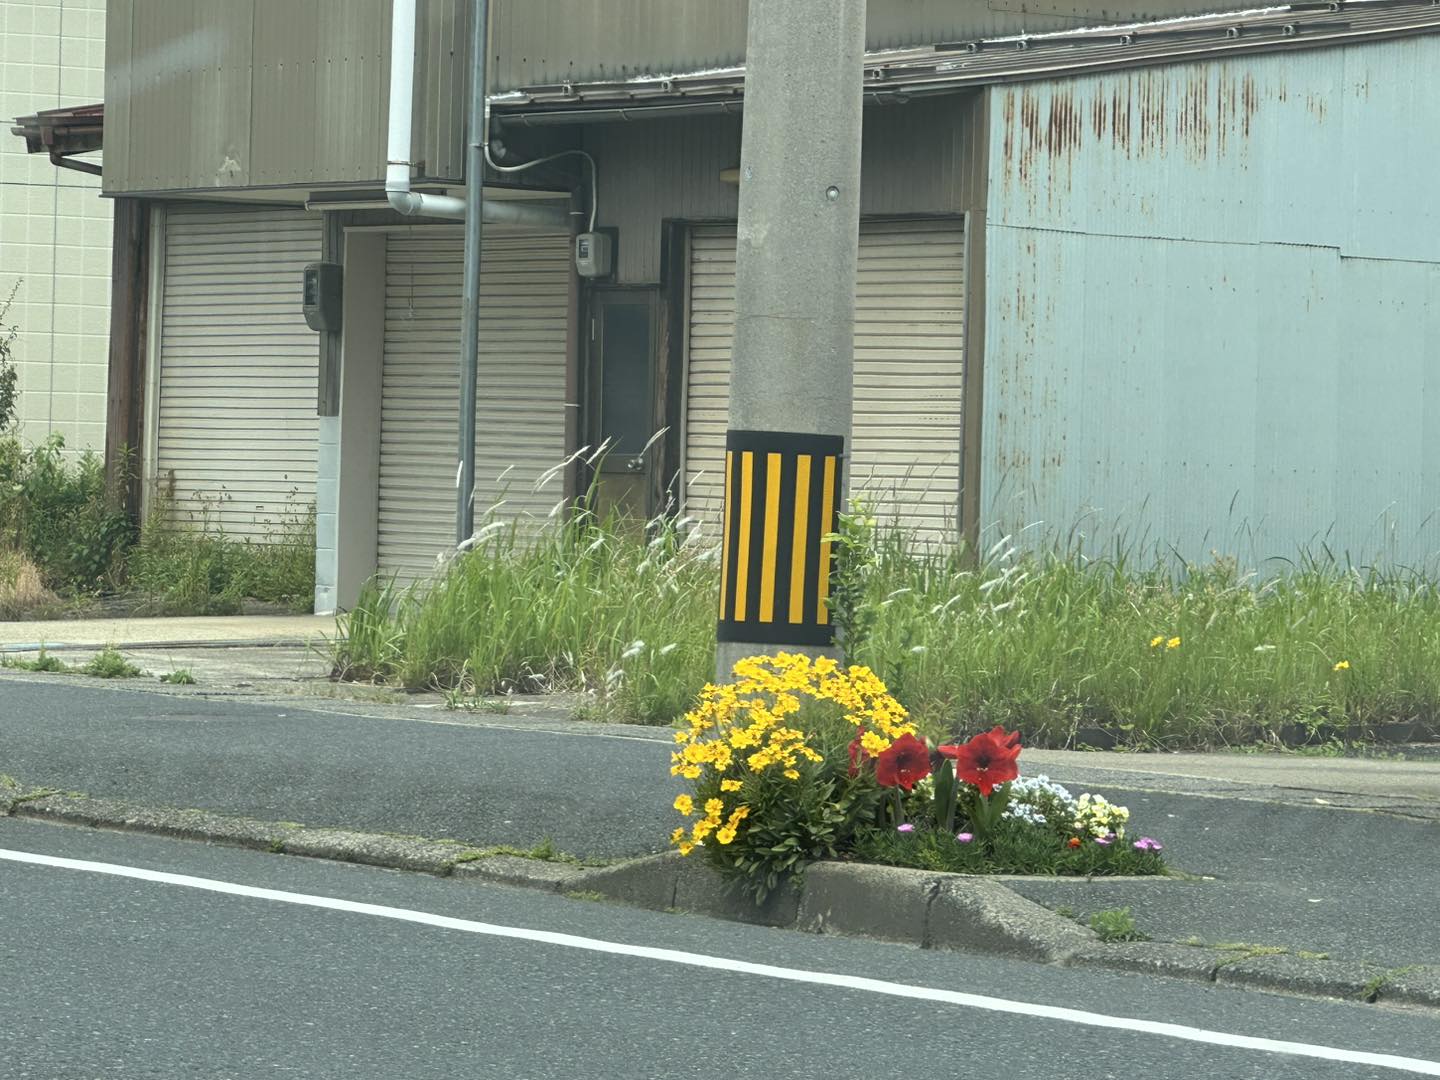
x: 206, y: 94
x: 551, y: 41
x: 915, y: 161
x: 1213, y: 306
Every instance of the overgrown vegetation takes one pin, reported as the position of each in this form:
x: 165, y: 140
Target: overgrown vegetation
x: 581, y: 605
x: 1070, y: 651
x: 201, y: 571
x: 63, y: 543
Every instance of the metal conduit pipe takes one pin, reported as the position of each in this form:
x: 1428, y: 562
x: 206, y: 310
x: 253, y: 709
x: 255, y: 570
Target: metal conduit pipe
x: 543, y: 215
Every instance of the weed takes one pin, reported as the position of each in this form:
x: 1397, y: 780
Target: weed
x: 1116, y: 924
x: 179, y: 677
x: 44, y: 662
x: 110, y: 664
x: 9, y: 374
x: 194, y: 568
x: 586, y: 894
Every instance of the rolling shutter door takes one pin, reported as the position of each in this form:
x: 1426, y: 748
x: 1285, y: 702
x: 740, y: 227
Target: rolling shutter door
x: 909, y: 322
x: 236, y: 429
x: 520, y: 422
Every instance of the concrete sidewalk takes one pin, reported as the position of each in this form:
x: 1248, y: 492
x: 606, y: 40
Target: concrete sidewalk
x: 149, y: 633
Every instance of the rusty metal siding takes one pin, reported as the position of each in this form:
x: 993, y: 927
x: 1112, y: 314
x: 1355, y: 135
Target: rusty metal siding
x: 204, y: 94
x: 1213, y: 307
x: 915, y: 161
x: 535, y: 42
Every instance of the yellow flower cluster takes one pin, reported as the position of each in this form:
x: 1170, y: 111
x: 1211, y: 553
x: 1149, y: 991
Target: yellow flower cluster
x: 715, y: 822
x: 1161, y: 639
x: 746, y: 727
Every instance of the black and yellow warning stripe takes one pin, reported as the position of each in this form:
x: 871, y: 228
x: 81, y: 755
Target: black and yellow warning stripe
x: 782, y: 493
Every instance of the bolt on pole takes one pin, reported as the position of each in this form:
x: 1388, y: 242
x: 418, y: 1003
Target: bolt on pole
x: 793, y: 356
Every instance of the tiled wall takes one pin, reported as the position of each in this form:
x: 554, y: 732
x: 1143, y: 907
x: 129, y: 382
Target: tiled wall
x: 54, y: 227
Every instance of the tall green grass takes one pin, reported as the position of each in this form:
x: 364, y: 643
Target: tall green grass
x: 1052, y: 643
x: 1056, y: 643
x: 197, y: 569
x: 582, y: 604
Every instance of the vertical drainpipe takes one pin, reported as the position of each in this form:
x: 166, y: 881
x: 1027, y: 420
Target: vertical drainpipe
x: 470, y: 304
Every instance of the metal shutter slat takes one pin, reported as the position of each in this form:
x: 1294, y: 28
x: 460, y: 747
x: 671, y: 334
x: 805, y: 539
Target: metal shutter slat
x: 909, y: 336
x: 238, y: 367
x: 524, y: 319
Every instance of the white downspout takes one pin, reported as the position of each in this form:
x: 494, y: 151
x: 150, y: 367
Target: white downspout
x: 397, y: 153
x: 397, y: 149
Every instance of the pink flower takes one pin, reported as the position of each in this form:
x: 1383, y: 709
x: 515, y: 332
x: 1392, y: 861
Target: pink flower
x: 906, y: 828
x: 1106, y: 840
x: 964, y: 837
x: 1147, y: 844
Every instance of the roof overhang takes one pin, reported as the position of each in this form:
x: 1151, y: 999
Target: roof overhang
x: 895, y: 76
x: 64, y: 133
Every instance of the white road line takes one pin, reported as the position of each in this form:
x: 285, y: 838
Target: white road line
x: 743, y: 967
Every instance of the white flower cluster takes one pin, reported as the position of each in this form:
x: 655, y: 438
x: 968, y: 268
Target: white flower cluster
x: 1039, y: 801
x: 1098, y: 818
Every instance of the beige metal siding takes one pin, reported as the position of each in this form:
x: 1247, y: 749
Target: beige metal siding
x: 206, y: 94
x: 909, y: 327
x: 520, y: 427
x: 236, y: 430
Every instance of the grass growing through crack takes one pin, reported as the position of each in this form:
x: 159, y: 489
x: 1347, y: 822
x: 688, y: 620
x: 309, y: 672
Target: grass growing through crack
x: 1115, y: 925
x: 109, y: 664
x: 1153, y: 652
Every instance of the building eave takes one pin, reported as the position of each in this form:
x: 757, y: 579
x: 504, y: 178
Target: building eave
x: 897, y: 75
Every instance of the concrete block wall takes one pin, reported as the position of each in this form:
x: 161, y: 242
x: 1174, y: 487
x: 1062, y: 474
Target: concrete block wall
x: 54, y: 227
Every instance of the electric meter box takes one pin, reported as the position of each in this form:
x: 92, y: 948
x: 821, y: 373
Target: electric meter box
x: 322, y: 296
x: 594, y: 252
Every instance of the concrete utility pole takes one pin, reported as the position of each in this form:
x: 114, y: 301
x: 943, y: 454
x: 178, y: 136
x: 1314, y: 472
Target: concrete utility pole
x: 792, y: 362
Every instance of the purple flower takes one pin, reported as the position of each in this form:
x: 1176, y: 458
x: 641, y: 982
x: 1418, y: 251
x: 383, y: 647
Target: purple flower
x: 964, y: 837
x: 1106, y: 840
x: 1147, y: 844
x: 906, y: 828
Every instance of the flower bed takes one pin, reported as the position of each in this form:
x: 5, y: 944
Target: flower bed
x: 801, y: 759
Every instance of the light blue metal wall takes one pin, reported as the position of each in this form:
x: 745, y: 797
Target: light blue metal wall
x: 1213, y: 307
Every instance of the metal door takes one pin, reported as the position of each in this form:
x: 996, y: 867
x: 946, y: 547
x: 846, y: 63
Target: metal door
x: 621, y: 377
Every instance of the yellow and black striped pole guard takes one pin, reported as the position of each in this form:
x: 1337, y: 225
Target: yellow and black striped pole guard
x: 782, y: 494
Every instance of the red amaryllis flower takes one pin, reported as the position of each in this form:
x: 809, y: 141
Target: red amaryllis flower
x: 987, y: 760
x: 907, y: 761
x: 858, y: 753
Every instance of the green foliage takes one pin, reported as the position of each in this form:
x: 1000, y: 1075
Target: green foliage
x: 9, y: 374
x: 47, y: 662
x: 55, y: 510
x: 1048, y: 643
x: 856, y: 564
x: 581, y: 604
x: 198, y: 570
x: 110, y: 664
x: 1053, y: 644
x: 179, y: 677
x: 1116, y: 924
x: 1013, y: 847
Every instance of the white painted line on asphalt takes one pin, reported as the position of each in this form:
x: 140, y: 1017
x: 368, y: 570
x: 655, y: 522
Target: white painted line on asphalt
x: 744, y: 967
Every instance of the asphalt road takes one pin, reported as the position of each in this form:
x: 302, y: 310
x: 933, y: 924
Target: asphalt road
x: 1356, y: 885
x: 115, y: 978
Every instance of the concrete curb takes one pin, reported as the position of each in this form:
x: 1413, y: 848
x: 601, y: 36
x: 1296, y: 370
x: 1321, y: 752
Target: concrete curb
x: 929, y: 910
